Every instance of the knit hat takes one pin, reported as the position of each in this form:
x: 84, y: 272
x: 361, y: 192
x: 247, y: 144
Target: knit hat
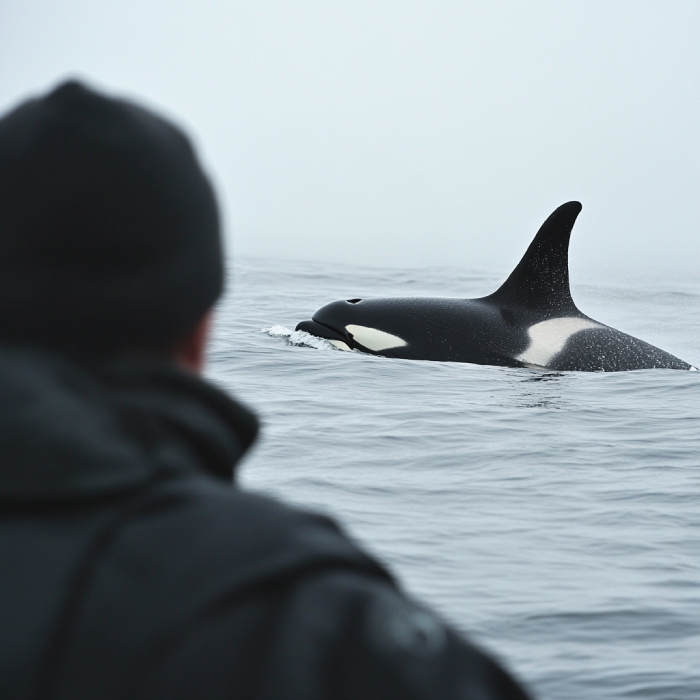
x: 109, y: 229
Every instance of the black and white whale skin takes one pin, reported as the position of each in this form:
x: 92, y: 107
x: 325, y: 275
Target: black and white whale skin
x: 530, y: 321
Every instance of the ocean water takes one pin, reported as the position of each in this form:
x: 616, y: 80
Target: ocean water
x: 554, y: 518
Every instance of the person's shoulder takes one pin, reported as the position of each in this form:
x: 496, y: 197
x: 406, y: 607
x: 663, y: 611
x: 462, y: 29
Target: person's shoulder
x: 239, y: 538
x: 208, y: 566
x: 345, y: 634
x: 237, y: 517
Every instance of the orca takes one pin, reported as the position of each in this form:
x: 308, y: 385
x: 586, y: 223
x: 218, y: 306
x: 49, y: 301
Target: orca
x: 530, y: 321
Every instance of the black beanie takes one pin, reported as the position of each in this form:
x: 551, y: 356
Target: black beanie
x: 109, y: 229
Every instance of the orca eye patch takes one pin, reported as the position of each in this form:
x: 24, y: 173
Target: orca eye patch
x: 374, y: 339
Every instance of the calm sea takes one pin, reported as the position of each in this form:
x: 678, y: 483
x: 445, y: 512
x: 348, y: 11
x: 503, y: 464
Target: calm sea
x: 553, y: 517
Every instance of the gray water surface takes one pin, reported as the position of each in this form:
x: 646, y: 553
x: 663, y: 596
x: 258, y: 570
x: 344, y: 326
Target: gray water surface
x: 552, y: 517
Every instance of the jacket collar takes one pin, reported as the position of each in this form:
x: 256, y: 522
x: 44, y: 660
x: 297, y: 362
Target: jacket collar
x: 67, y: 431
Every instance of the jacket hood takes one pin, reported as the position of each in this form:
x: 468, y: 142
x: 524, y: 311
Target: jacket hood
x: 71, y: 432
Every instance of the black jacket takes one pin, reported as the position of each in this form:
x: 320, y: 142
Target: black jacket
x: 131, y: 568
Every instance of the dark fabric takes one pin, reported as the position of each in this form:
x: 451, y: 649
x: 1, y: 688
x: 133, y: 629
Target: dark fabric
x: 109, y: 230
x: 131, y: 567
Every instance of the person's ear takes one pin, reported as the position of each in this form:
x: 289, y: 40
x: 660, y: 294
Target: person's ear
x: 190, y: 352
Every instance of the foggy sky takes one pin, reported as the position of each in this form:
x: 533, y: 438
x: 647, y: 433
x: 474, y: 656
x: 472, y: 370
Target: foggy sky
x: 397, y: 132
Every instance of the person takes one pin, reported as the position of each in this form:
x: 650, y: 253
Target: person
x: 129, y: 565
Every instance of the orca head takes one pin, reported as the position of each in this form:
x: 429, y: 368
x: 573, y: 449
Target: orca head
x: 343, y: 324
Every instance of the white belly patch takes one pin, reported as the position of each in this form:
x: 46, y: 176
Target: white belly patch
x: 547, y: 338
x: 373, y: 339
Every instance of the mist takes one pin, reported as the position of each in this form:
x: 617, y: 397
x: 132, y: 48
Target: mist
x: 406, y: 133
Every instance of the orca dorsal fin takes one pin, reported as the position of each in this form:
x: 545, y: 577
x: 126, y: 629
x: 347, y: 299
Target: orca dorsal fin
x: 541, y: 279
